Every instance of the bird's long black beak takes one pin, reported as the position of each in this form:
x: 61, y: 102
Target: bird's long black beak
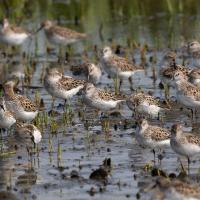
x: 2, y: 107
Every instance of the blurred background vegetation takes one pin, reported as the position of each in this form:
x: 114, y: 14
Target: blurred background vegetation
x: 157, y: 22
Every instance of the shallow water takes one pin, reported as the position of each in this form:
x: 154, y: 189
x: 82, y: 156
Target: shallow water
x: 79, y: 143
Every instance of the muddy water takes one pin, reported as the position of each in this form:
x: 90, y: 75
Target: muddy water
x: 79, y: 145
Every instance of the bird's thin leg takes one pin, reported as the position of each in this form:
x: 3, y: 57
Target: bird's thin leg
x: 120, y: 84
x: 67, y: 106
x: 28, y: 151
x: 195, y: 113
x: 131, y: 83
x: 135, y: 113
x: 53, y: 101
x: 182, y: 167
x: 160, y: 156
x: 64, y: 106
x: 60, y: 54
x: 188, y: 165
x: 1, y: 138
x: 192, y: 114
x: 154, y: 156
x: 158, y: 116
x: 69, y: 49
x: 22, y: 80
x: 194, y: 117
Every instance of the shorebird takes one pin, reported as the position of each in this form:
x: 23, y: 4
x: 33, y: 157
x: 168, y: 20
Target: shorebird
x: 167, y: 70
x: 94, y: 73
x: 193, y: 50
x: 168, y: 60
x: 152, y: 136
x: 22, y: 107
x: 194, y: 77
x: 168, y: 73
x: 58, y: 35
x: 27, y: 135
x: 12, y: 35
x: 6, y: 117
x: 60, y: 86
x: 16, y: 70
x: 187, y: 93
x: 91, y: 71
x: 174, y: 189
x: 100, y: 99
x: 118, y: 67
x: 184, y: 144
x: 145, y: 104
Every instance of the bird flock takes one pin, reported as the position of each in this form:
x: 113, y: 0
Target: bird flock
x: 20, y: 111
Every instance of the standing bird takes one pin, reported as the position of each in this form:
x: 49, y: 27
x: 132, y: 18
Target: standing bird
x: 168, y: 73
x: 100, y: 99
x: 194, y: 77
x: 184, y: 144
x: 60, y: 86
x: 22, y: 107
x: 94, y: 73
x: 58, y: 35
x: 145, y: 104
x: 187, y: 93
x: 6, y: 117
x: 118, y: 67
x: 12, y: 35
x: 168, y: 59
x: 27, y: 136
x: 194, y: 49
x: 89, y: 71
x: 152, y: 136
x: 191, y: 53
x: 175, y: 189
x: 167, y: 70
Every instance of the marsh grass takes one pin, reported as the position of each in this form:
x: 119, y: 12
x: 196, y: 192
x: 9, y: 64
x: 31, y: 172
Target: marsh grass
x: 68, y: 115
x: 166, y: 91
x: 148, y: 167
x: 38, y: 121
x: 1, y: 92
x: 37, y: 98
x: 105, y: 124
x: 53, y: 126
x: 116, y: 85
x: 50, y: 144
x: 45, y: 118
x: 88, y: 140
x: 154, y: 76
x: 59, y: 154
x: 5, y: 154
x: 143, y: 55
